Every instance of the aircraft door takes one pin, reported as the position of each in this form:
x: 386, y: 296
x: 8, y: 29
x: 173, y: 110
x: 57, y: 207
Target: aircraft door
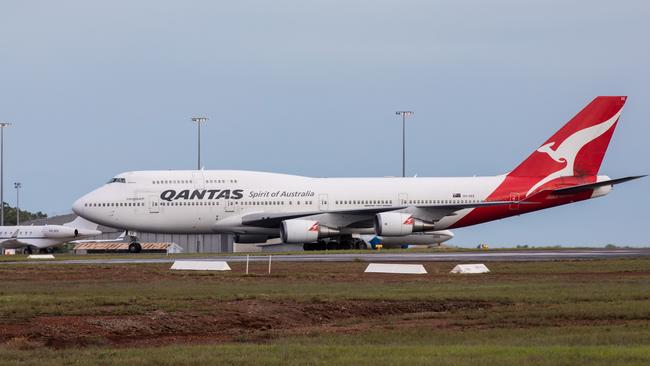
x: 514, y: 197
x: 154, y: 205
x: 402, y: 199
x: 323, y: 203
x: 229, y: 205
x: 197, y: 180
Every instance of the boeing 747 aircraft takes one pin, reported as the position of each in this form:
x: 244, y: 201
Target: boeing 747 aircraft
x: 564, y: 169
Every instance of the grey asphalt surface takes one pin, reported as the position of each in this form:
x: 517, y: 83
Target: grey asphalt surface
x: 486, y: 256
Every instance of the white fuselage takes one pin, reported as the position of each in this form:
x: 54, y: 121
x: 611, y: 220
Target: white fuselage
x: 41, y: 236
x: 422, y: 239
x: 215, y: 201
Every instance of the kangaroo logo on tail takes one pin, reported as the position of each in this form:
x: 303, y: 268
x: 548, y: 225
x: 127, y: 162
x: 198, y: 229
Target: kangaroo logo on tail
x: 567, y: 151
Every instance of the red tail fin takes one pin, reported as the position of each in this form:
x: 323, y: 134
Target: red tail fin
x: 571, y: 157
x: 578, y: 148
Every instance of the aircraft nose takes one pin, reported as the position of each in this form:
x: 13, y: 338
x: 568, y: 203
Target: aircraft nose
x: 78, y: 206
x: 447, y: 233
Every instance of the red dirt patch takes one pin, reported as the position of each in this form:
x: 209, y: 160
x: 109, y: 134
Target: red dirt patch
x: 242, y: 320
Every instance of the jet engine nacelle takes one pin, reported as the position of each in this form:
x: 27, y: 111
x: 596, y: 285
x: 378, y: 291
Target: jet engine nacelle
x: 59, y: 232
x: 298, y: 231
x: 399, y: 224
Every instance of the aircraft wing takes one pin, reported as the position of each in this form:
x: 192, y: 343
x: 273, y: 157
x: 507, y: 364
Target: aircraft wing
x: 11, y: 242
x: 431, y: 212
x: 119, y: 239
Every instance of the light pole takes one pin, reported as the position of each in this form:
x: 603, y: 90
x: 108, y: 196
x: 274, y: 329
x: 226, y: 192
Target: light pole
x: 17, y: 185
x: 2, y: 187
x: 404, y: 114
x: 198, y: 121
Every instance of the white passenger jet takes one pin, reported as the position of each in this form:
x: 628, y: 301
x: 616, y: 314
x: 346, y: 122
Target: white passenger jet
x: 564, y: 169
x: 44, y: 237
x: 423, y: 239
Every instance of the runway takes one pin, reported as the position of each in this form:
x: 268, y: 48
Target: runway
x: 474, y: 256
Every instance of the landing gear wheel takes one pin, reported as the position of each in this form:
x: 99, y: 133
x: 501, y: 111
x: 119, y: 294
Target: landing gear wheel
x: 27, y: 250
x: 346, y: 242
x: 360, y: 244
x: 135, y: 248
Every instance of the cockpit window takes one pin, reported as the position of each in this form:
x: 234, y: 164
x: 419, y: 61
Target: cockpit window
x: 117, y: 180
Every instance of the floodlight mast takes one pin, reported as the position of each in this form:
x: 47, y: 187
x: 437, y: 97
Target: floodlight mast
x: 404, y: 114
x: 18, y: 185
x: 198, y: 121
x: 2, y: 200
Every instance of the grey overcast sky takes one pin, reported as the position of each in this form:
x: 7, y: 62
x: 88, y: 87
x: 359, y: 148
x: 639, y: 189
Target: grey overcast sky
x: 95, y: 88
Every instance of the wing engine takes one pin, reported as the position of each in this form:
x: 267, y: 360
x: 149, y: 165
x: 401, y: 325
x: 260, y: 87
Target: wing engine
x: 304, y: 231
x: 399, y: 223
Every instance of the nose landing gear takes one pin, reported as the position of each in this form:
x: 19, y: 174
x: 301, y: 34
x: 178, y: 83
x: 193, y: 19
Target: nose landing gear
x: 134, y: 243
x: 135, y: 248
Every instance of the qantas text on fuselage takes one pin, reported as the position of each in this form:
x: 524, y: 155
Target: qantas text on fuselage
x: 564, y: 169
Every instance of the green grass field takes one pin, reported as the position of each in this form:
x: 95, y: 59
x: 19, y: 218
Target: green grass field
x: 523, y: 313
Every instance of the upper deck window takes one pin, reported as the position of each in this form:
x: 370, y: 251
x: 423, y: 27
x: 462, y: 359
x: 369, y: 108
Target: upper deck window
x: 117, y: 180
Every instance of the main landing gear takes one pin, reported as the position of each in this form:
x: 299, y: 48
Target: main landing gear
x: 342, y: 242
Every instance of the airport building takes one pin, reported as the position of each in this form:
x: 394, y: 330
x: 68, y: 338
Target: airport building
x: 191, y: 243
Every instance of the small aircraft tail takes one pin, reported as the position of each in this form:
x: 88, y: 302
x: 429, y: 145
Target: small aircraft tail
x: 81, y: 223
x: 578, y: 148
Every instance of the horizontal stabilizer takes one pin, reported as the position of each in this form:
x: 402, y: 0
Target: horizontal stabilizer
x: 585, y: 187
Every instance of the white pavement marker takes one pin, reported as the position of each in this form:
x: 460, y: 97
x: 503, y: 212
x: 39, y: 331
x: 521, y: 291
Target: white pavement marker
x: 470, y: 268
x: 395, y: 268
x: 40, y: 256
x: 200, y: 266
